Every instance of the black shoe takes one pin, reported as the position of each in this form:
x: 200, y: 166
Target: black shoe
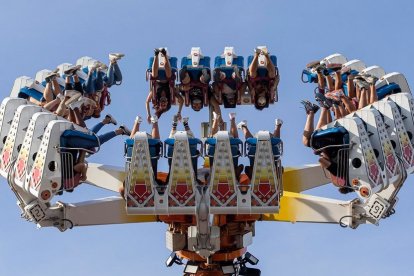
x: 323, y: 101
x: 125, y: 130
x: 72, y: 70
x: 310, y: 107
x: 163, y: 52
x: 156, y: 51
x: 50, y: 77
x: 183, y: 73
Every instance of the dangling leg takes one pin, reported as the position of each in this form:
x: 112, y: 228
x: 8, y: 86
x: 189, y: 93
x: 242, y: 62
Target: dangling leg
x: 155, y: 64
x: 48, y: 92
x: 278, y: 127
x: 330, y: 83
x: 135, y: 128
x: 167, y: 66
x: 373, y: 96
x: 190, y: 133
x: 271, y: 70
x: 255, y: 63
x: 155, y: 133
x: 173, y: 127
x: 338, y: 80
x: 233, y: 126
x: 246, y: 132
x: 323, y: 118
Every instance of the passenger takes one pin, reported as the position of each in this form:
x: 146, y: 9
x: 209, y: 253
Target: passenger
x: 231, y: 90
x: 263, y: 90
x: 194, y: 85
x: 81, y: 140
x: 193, y: 148
x: 163, y: 91
x: 275, y: 141
x: 73, y: 91
x: 329, y: 156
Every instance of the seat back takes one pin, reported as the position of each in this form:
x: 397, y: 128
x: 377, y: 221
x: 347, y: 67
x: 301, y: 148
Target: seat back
x: 15, y: 136
x: 355, y: 65
x: 30, y: 146
x: 20, y: 83
x: 223, y: 182
x: 25, y: 87
x: 195, y: 59
x: 381, y: 143
x: 374, y: 70
x: 397, y: 132
x: 266, y: 182
x: 8, y: 107
x: 393, y: 78
x: 161, y: 66
x: 228, y: 59
x: 141, y: 194
x: 182, y: 181
x: 45, y: 177
x: 334, y: 58
x: 405, y: 104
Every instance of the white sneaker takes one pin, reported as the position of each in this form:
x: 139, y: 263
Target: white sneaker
x: 60, y: 97
x: 115, y: 56
x: 73, y: 95
x: 126, y: 130
x: 93, y: 67
x: 154, y: 119
x: 112, y: 120
x: 175, y: 119
x: 185, y: 120
x: 77, y: 104
x: 138, y: 119
x: 232, y: 115
x: 242, y: 124
x: 278, y: 122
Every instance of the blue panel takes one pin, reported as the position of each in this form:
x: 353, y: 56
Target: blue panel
x: 173, y: 62
x: 204, y: 62
x: 221, y: 62
x: 154, y: 147
x: 26, y: 92
x: 391, y: 88
x: 272, y: 58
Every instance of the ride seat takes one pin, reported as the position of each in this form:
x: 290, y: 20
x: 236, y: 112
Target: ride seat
x: 234, y: 146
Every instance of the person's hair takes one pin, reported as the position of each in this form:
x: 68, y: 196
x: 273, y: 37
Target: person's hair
x: 259, y: 107
x: 226, y: 103
x: 159, y: 91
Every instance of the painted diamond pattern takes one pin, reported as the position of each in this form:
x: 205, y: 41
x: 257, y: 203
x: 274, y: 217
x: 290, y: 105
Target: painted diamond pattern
x: 141, y: 191
x: 264, y: 187
x: 391, y: 163
x: 21, y: 165
x: 5, y: 158
x: 407, y: 153
x: 374, y: 172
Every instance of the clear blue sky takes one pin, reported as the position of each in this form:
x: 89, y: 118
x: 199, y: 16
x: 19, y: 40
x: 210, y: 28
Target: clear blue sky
x: 41, y: 34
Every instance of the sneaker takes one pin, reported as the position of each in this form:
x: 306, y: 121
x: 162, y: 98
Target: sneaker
x: 112, y: 120
x: 278, y: 122
x: 242, y: 124
x: 257, y: 51
x: 138, y: 119
x: 183, y: 73
x: 87, y: 101
x: 74, y: 105
x: 115, y: 56
x: 51, y: 76
x: 370, y: 79
x: 361, y: 83
x: 60, y: 96
x: 323, y: 101
x: 313, y: 64
x: 206, y: 75
x: 125, y: 130
x: 232, y: 115
x: 163, y: 52
x: 185, y: 120
x: 309, y: 107
x: 346, y: 70
x: 334, y: 66
x: 73, y: 96
x: 103, y: 66
x: 335, y: 95
x: 72, y: 70
x: 154, y: 119
x: 156, y: 51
